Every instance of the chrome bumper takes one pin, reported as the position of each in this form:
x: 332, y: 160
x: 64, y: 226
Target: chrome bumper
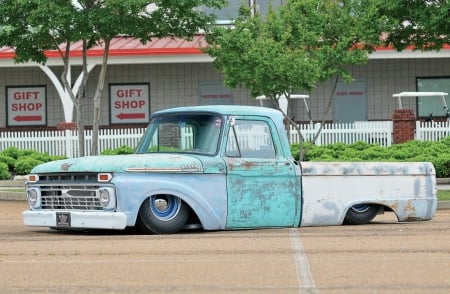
x: 78, y: 219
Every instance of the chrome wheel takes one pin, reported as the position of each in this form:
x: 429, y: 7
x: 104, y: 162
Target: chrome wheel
x: 163, y: 214
x: 165, y: 207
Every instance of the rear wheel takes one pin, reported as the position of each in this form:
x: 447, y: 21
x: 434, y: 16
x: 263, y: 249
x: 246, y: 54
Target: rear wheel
x: 163, y: 214
x: 361, y: 214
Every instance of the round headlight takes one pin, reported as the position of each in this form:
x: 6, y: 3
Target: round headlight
x: 105, y: 197
x: 32, y: 197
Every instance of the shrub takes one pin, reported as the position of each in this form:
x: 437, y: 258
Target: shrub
x: 25, y: 164
x: 434, y: 152
x: 12, y: 152
x: 121, y: 150
x: 21, y: 162
x: 9, y: 161
x: 442, y: 166
x: 4, y: 171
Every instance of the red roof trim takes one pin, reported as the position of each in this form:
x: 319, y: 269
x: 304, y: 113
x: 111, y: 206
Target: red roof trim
x: 409, y: 48
x: 131, y: 52
x: 7, y: 55
x: 126, y: 46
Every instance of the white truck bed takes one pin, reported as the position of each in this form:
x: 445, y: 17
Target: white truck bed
x: 331, y: 188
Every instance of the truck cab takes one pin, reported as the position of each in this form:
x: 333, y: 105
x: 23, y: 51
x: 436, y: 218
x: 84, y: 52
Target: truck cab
x: 221, y: 167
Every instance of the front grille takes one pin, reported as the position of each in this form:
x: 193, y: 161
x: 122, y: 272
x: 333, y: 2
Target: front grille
x: 69, y: 177
x: 70, y: 191
x: 83, y: 197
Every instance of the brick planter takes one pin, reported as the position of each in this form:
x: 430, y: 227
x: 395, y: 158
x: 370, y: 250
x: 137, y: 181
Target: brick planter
x: 404, y: 125
x: 62, y: 126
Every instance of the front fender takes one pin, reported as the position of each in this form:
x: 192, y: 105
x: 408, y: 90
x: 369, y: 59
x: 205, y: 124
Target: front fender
x: 207, y: 199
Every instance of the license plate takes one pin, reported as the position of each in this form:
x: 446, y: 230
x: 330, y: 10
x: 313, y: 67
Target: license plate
x: 63, y: 219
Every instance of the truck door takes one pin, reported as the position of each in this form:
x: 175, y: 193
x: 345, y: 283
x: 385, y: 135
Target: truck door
x: 262, y: 185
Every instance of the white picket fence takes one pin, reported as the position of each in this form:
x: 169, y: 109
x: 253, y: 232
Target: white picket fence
x: 65, y: 143
x: 432, y: 131
x: 372, y: 132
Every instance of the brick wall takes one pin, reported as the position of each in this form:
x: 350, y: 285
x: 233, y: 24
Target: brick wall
x: 404, y: 125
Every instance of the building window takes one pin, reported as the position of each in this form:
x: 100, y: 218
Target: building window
x: 430, y: 107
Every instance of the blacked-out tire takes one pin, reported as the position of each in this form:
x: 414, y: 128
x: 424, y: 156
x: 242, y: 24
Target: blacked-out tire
x: 163, y: 214
x: 361, y: 214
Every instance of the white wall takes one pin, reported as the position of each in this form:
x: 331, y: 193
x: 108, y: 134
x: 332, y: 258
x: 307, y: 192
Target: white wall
x: 178, y: 85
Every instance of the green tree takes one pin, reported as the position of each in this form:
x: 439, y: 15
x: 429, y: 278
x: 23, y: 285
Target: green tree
x: 34, y: 26
x: 424, y: 25
x: 296, y: 47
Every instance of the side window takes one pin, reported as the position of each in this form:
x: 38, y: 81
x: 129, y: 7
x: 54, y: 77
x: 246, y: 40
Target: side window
x: 250, y: 139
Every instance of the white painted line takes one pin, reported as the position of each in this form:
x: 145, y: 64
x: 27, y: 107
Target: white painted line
x: 304, y: 276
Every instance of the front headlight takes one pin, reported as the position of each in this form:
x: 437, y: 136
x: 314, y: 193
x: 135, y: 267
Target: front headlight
x: 33, y: 197
x: 107, y: 198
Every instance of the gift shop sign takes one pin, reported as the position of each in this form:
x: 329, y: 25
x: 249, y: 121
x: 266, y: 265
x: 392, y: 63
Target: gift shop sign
x: 129, y: 103
x: 26, y: 105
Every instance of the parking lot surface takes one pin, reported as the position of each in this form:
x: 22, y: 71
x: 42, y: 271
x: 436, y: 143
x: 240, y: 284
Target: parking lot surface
x: 383, y: 257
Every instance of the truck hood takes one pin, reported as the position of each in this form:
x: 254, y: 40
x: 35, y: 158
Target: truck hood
x: 123, y: 163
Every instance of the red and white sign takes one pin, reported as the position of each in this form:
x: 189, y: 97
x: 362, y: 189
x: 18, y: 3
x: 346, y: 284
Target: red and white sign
x: 26, y: 106
x: 129, y: 103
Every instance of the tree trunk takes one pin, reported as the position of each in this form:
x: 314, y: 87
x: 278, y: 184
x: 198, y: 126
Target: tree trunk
x: 75, y: 99
x: 327, y: 110
x: 97, y: 98
x: 80, y: 94
x: 80, y: 128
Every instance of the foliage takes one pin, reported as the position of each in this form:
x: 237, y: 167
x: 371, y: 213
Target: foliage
x: 413, y: 151
x: 34, y: 26
x: 50, y: 24
x: 4, y: 171
x: 20, y: 162
x: 8, y: 160
x: 421, y: 24
x: 295, y: 47
x: 24, y: 165
x: 121, y: 150
x: 12, y: 152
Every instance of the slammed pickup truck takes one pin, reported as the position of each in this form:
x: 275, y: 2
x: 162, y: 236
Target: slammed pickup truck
x: 221, y: 167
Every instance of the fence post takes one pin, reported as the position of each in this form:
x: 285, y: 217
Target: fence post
x: 319, y: 137
x: 419, y: 132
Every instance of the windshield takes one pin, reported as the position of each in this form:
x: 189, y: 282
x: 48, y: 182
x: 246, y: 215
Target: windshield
x: 193, y: 133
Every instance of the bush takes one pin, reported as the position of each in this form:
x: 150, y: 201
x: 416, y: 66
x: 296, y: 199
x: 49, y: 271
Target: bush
x: 24, y: 165
x: 121, y: 150
x: 415, y: 151
x: 9, y: 161
x: 4, y: 171
x: 21, y: 162
x: 12, y: 152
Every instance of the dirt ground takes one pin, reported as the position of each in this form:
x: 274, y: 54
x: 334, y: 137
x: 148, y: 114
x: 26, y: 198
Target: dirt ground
x: 383, y: 257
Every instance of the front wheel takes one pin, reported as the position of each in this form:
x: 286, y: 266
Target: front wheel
x: 361, y: 214
x: 163, y: 214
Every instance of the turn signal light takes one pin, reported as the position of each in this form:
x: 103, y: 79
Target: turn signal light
x: 33, y: 178
x: 104, y: 177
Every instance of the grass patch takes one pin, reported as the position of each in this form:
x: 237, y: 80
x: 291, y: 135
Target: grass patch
x: 443, y: 195
x: 12, y: 189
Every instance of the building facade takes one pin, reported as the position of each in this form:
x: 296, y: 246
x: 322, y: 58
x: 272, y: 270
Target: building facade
x: 166, y: 73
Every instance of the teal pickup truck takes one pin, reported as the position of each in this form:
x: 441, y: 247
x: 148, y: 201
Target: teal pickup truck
x: 221, y: 167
